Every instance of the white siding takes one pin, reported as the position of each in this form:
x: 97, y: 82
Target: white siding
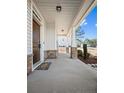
x: 29, y: 33
x: 50, y: 34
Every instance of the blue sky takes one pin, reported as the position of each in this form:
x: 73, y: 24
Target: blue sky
x: 89, y: 25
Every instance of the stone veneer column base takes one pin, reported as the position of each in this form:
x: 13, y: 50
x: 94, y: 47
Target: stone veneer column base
x: 50, y: 54
x: 73, y: 52
x: 67, y: 50
x: 29, y: 63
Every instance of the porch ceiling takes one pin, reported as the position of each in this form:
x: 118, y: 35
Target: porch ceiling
x: 62, y: 19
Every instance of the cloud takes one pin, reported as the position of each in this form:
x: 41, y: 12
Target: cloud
x: 85, y: 23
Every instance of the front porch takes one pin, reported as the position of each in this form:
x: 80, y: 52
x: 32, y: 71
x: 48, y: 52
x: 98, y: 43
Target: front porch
x: 65, y: 75
x: 51, y: 37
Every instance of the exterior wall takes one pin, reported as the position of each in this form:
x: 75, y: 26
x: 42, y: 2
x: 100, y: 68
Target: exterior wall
x: 50, y: 41
x: 29, y: 32
x: 50, y: 37
x: 29, y: 38
x: 29, y: 63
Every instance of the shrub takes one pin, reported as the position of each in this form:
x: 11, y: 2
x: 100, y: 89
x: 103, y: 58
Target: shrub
x: 79, y: 53
x: 87, y: 56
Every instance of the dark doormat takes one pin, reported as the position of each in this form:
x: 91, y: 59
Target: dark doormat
x: 44, y: 66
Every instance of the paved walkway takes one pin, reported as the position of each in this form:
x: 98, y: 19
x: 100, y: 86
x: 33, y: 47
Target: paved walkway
x: 65, y: 75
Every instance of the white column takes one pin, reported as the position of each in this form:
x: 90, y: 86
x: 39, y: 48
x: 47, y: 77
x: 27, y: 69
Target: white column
x: 73, y: 43
x: 73, y: 37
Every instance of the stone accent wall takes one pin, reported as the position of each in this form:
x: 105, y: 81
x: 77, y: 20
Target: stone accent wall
x: 73, y: 52
x: 29, y: 63
x: 67, y: 50
x: 50, y: 54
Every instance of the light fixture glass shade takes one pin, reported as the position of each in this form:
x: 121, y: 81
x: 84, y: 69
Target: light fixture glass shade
x: 58, y: 8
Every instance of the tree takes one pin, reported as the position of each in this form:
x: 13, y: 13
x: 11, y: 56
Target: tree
x: 91, y: 42
x: 79, y: 42
x: 79, y: 34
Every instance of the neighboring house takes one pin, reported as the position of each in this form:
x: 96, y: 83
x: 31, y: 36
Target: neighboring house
x: 46, y: 21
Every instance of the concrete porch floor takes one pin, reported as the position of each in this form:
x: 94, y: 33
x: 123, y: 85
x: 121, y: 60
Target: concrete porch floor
x: 65, y: 75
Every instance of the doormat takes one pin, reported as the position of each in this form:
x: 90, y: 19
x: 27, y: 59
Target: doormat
x: 44, y: 66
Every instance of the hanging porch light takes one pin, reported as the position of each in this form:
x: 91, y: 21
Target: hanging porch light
x: 58, y: 8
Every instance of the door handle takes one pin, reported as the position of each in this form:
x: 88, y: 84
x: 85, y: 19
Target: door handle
x: 39, y: 45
